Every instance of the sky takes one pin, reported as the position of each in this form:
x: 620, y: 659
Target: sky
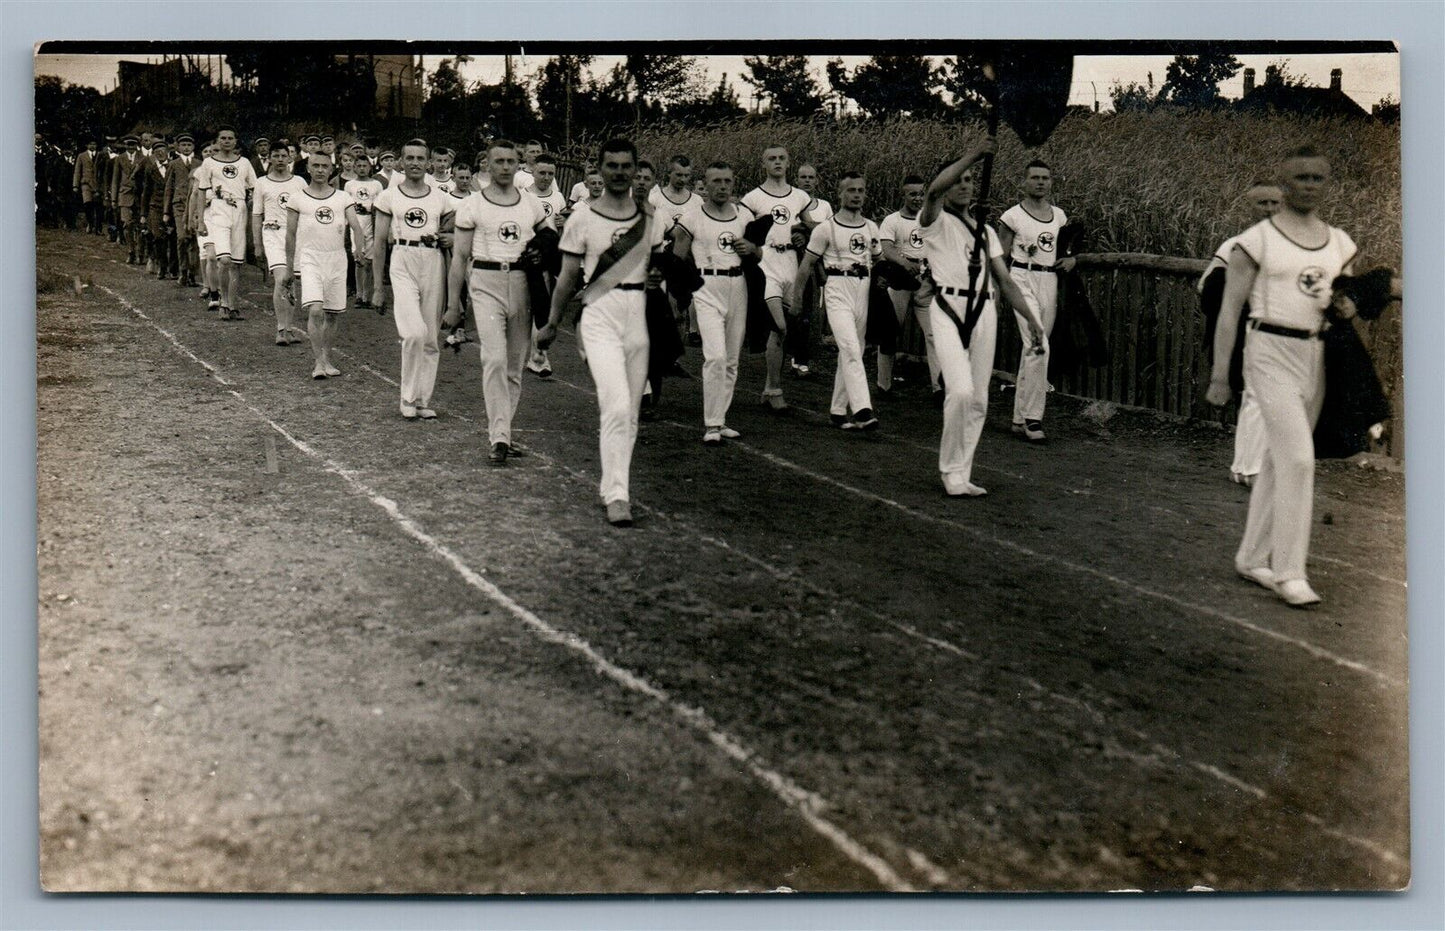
x: 1367, y: 77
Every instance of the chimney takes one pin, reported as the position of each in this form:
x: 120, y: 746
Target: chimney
x: 1337, y: 78
x: 1271, y: 75
x: 1248, y: 81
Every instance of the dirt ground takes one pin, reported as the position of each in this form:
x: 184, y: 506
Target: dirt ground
x: 276, y: 666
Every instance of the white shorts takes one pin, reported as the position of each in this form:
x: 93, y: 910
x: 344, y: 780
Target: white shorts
x: 323, y: 279
x: 273, y: 243
x: 226, y: 229
x: 779, y: 270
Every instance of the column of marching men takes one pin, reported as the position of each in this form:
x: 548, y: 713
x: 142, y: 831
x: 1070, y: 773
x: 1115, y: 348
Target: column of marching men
x: 496, y: 242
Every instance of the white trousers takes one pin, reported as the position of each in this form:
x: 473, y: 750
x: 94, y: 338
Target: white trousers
x: 613, y: 331
x: 721, y: 306
x: 1287, y: 377
x: 1041, y: 293
x: 1248, y: 435
x: 418, y: 287
x: 847, y: 302
x: 502, y: 310
x: 918, y: 303
x: 966, y: 374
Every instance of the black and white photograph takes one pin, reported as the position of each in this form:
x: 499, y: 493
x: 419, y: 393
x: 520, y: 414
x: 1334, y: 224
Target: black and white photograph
x: 662, y: 467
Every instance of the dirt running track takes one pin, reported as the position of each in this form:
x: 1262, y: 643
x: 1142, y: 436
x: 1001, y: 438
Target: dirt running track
x: 387, y: 666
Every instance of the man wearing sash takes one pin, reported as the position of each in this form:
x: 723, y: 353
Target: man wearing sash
x: 964, y: 320
x: 1284, y: 266
x: 610, y: 245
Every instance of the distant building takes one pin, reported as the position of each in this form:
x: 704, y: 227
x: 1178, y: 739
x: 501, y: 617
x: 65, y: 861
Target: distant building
x: 1275, y: 94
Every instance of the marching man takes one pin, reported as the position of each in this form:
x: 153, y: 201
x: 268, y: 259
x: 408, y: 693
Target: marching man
x: 1029, y: 233
x: 712, y: 231
x: 269, y: 222
x: 316, y: 223
x: 784, y: 203
x: 1264, y: 200
x: 964, y: 341
x: 847, y: 245
x: 493, y: 228
x: 224, y: 180
x: 544, y: 176
x: 1284, y: 266
x: 903, y: 244
x: 610, y: 245
x: 415, y: 219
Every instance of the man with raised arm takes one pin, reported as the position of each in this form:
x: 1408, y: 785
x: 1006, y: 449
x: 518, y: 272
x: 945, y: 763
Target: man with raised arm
x: 964, y: 319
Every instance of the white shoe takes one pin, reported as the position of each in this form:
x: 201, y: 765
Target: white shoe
x: 1242, y: 478
x: 712, y: 437
x: 728, y: 433
x: 619, y: 514
x: 1262, y: 576
x: 426, y: 413
x: 319, y: 372
x: 1297, y: 593
x: 957, y: 486
x: 332, y: 371
x: 408, y: 411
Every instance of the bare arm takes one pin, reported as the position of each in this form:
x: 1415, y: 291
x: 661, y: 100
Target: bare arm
x: 1238, y: 282
x: 567, y: 281
x: 381, y: 234
x: 892, y: 253
x: 948, y: 177
x: 457, y: 275
x: 292, y: 217
x: 800, y: 280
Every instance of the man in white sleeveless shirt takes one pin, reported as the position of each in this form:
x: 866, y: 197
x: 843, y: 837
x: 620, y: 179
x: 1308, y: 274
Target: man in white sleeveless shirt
x: 493, y: 229
x: 1284, y: 266
x: 1029, y: 233
x: 712, y: 232
x: 965, y: 356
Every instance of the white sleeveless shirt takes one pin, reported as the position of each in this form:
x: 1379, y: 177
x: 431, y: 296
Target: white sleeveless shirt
x: 1294, y: 284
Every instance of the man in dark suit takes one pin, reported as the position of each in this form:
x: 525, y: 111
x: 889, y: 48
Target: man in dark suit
x: 122, y: 187
x: 152, y: 206
x: 105, y: 173
x: 85, y: 181
x: 176, y: 200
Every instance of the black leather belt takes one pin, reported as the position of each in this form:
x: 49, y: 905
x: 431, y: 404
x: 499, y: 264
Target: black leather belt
x: 779, y: 248
x: 857, y: 271
x: 414, y: 242
x: 951, y: 291
x: 632, y: 286
x: 1292, y: 332
x: 724, y: 272
x: 490, y: 266
x: 1032, y: 267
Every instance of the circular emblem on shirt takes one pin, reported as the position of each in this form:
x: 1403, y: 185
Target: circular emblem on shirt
x: 509, y: 232
x: 415, y: 217
x: 1046, y: 242
x: 915, y: 239
x: 857, y: 243
x: 229, y: 171
x: 725, y: 241
x: 284, y: 198
x: 781, y: 214
x: 546, y: 208
x: 324, y: 215
x: 1312, y: 281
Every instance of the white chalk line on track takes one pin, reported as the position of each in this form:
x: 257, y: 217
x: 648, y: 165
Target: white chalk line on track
x: 806, y: 804
x: 1314, y: 650
x: 925, y: 867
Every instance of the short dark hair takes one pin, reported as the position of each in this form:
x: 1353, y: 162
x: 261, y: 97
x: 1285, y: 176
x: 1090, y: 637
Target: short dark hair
x: 415, y: 142
x: 681, y: 161
x: 1037, y: 163
x: 226, y: 127
x: 850, y: 175
x: 719, y: 166
x: 615, y: 145
x: 644, y: 163
x: 912, y: 179
x: 1303, y: 151
x: 1262, y: 182
x: 442, y: 150
x: 534, y: 142
x: 501, y: 144
x: 546, y: 158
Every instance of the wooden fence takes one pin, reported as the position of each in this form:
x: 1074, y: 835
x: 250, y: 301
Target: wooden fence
x: 1149, y: 311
